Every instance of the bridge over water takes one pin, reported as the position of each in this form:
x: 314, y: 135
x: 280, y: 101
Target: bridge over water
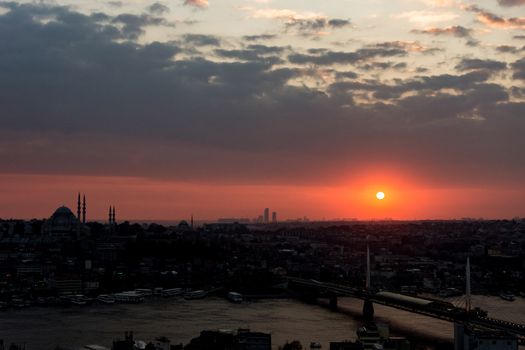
x: 429, y: 307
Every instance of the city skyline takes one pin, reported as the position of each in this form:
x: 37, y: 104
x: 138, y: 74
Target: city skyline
x: 220, y: 108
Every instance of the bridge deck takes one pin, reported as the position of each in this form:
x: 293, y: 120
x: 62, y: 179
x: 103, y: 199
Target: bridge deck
x: 428, y: 307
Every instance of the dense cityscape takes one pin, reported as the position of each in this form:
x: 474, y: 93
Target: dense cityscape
x: 68, y: 261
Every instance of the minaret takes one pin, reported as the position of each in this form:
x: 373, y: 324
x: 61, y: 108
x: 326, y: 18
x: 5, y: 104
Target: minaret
x: 109, y: 222
x: 84, y: 210
x: 114, y: 221
x: 191, y: 222
x: 468, y: 301
x: 78, y: 207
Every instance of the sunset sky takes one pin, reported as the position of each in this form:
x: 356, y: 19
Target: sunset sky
x: 224, y: 107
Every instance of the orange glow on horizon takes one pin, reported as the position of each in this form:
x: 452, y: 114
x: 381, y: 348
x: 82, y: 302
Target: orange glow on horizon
x: 141, y: 198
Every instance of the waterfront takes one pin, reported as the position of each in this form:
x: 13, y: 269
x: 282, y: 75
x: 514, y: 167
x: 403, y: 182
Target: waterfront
x: 180, y: 320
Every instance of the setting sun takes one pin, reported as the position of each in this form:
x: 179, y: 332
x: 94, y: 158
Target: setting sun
x: 380, y: 195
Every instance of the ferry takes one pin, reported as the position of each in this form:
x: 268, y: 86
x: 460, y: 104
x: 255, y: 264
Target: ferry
x: 106, y: 299
x: 234, y: 297
x: 507, y: 296
x: 145, y: 291
x: 129, y: 297
x: 198, y: 294
x: 171, y: 292
x: 79, y: 299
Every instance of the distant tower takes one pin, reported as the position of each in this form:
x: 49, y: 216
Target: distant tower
x: 109, y: 216
x: 274, y: 217
x: 78, y: 207
x: 266, y: 215
x: 191, y: 222
x: 113, y: 220
x: 84, y: 210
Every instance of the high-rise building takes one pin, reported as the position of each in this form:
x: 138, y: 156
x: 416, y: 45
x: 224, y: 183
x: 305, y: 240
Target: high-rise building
x: 274, y: 217
x: 266, y: 215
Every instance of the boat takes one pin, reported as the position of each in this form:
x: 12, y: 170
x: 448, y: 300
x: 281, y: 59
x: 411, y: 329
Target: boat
x: 507, y: 296
x: 198, y: 294
x: 95, y: 347
x: 106, y: 299
x: 145, y: 291
x: 171, y: 292
x: 129, y: 297
x: 234, y: 297
x: 79, y: 300
x: 19, y: 303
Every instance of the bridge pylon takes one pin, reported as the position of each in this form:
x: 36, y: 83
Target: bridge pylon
x: 368, y: 306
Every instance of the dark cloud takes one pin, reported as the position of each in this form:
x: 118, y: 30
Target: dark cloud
x: 347, y: 75
x: 77, y: 99
x: 327, y: 57
x: 511, y: 2
x: 423, y: 85
x: 518, y: 92
x: 490, y: 19
x: 383, y: 66
x: 316, y: 26
x: 158, y: 9
x: 519, y: 69
x: 507, y: 49
x: 259, y: 37
x: 255, y: 52
x: 248, y: 55
x: 133, y: 25
x: 457, y: 31
x: 263, y: 49
x: 338, y: 23
x: 202, y: 40
x: 476, y: 63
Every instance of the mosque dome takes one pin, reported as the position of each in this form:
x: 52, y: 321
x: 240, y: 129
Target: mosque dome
x: 63, y: 211
x: 62, y: 222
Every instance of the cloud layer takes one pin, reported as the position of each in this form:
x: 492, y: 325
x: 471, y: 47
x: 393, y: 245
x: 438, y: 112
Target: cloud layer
x: 81, y: 94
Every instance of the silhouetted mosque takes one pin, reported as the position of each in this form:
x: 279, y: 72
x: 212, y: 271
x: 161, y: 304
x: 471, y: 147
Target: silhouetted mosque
x: 64, y: 224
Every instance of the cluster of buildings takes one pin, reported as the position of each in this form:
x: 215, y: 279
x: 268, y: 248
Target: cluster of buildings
x: 242, y: 339
x: 67, y: 254
x: 261, y: 219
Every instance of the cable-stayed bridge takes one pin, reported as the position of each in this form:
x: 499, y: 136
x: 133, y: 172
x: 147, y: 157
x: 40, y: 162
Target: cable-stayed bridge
x: 429, y: 307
